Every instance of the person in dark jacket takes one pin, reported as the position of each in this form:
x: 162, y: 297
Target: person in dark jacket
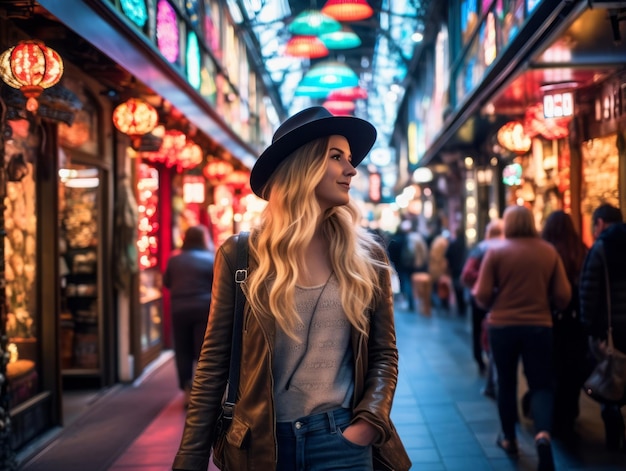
x: 569, y: 338
x: 456, y: 254
x: 609, y: 232
x: 189, y: 278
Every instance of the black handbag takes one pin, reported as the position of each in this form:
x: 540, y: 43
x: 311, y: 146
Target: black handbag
x: 607, y: 382
x: 241, y: 273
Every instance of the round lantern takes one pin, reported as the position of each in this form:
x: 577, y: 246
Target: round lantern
x: 31, y: 66
x: 135, y: 117
x: 512, y: 137
x: 216, y: 169
x: 190, y: 156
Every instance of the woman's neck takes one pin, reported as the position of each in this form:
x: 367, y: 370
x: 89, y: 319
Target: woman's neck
x: 317, y: 266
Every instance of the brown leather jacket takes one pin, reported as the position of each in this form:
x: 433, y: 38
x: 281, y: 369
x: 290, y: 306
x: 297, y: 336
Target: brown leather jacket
x: 251, y: 439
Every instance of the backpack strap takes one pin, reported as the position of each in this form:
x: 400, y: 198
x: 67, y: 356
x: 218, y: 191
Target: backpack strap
x: 241, y: 273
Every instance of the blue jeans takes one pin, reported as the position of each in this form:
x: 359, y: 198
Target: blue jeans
x: 534, y: 345
x: 315, y: 443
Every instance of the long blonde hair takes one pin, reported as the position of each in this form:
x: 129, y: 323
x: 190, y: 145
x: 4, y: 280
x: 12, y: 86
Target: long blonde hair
x: 287, y: 226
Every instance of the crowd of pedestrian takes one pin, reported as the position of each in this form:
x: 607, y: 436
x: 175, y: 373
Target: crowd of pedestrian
x: 539, y: 297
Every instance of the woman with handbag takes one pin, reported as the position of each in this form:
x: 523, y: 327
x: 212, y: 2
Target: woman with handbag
x: 319, y: 361
x: 519, y: 279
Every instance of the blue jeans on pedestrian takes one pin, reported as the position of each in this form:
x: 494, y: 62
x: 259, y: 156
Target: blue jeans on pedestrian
x: 534, y: 345
x: 316, y: 443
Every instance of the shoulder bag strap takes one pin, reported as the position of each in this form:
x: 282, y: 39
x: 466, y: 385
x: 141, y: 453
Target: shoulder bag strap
x: 608, y: 294
x: 235, y: 356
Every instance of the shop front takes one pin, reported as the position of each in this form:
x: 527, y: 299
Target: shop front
x: 554, y: 71
x: 91, y: 211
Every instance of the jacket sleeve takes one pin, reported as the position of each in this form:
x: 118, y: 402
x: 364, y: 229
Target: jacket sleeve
x: 212, y: 370
x: 381, y: 377
x: 592, y: 294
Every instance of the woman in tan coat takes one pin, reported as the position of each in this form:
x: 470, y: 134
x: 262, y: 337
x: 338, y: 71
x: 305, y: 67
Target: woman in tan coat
x: 520, y: 280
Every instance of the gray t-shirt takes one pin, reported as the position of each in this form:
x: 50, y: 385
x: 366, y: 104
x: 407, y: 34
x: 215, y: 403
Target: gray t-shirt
x: 315, y: 373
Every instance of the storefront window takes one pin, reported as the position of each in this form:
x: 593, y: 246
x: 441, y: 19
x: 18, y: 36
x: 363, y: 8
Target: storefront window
x: 21, y: 263
x: 600, y: 179
x: 79, y: 195
x: 150, y: 284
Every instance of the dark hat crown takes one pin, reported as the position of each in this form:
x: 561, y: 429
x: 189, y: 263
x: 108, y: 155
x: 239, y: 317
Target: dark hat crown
x: 299, y: 119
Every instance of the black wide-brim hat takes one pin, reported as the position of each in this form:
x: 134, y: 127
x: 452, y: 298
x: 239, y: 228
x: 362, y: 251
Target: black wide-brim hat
x: 306, y: 126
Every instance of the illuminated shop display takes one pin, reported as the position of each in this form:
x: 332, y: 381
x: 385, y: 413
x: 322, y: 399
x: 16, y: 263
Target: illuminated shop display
x: 167, y: 31
x: 147, y: 206
x: 20, y: 252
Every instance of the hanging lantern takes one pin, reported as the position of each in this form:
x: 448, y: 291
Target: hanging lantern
x: 31, y: 66
x: 350, y: 94
x: 313, y: 23
x: 348, y: 10
x: 330, y: 74
x: 216, y: 170
x: 135, y: 117
x: 339, y: 107
x: 345, y: 38
x: 310, y: 47
x: 190, y: 156
x: 512, y: 137
x: 237, y: 179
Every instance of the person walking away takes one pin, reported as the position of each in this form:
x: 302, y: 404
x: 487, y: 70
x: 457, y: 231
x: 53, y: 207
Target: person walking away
x: 319, y: 362
x: 420, y: 278
x: 519, y: 280
x: 401, y: 254
x: 570, y: 342
x: 609, y: 232
x: 189, y: 278
x: 456, y: 254
x: 438, y: 270
x: 469, y: 274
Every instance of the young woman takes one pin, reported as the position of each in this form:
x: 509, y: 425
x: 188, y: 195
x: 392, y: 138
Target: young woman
x: 319, y: 360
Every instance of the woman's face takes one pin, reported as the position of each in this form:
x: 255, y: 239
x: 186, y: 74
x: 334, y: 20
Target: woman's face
x: 333, y: 189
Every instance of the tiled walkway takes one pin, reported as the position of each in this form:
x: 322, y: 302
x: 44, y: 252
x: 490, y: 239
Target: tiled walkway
x: 444, y: 421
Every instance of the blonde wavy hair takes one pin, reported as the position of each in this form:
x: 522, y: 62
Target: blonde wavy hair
x: 286, y: 228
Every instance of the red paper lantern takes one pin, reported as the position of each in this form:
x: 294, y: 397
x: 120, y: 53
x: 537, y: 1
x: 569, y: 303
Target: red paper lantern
x: 310, y: 47
x: 135, y: 117
x: 348, y: 10
x: 216, y: 169
x: 512, y: 137
x: 350, y: 93
x: 31, y: 66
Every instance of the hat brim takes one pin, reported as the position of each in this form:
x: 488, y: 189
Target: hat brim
x: 361, y: 136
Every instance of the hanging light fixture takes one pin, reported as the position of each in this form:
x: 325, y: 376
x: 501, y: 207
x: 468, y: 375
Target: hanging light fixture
x: 31, y: 66
x: 348, y: 10
x: 330, y: 74
x: 513, y: 138
x: 344, y: 38
x: 312, y: 91
x: 190, y: 156
x: 216, y: 169
x: 350, y: 93
x: 313, y: 23
x: 310, y: 47
x: 339, y: 106
x: 135, y: 118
